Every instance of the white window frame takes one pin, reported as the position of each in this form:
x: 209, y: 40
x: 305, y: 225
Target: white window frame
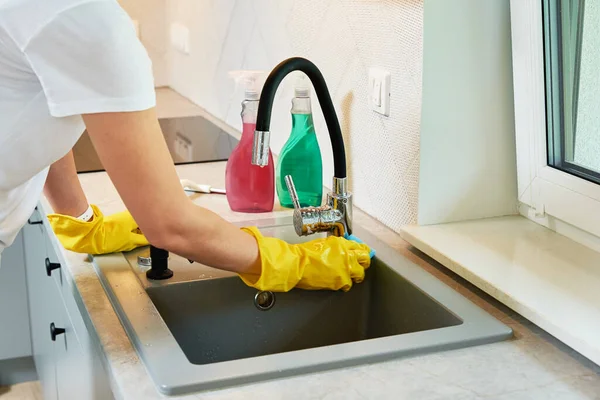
x: 545, y: 190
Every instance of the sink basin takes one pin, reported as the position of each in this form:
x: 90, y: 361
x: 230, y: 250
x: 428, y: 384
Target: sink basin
x: 215, y: 320
x: 205, y: 329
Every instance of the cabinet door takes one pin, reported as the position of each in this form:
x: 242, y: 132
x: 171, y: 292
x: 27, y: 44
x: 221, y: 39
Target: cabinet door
x: 77, y: 374
x: 42, y: 300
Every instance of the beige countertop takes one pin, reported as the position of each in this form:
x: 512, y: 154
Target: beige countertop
x: 533, y: 365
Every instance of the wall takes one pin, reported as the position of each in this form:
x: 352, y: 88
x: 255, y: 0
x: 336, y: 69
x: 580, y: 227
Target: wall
x: 151, y: 16
x: 468, y: 156
x: 343, y: 38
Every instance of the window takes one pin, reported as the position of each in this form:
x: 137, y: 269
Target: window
x: 556, y: 78
x: 572, y: 65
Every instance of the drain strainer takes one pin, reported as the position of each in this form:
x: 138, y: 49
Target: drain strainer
x: 264, y: 300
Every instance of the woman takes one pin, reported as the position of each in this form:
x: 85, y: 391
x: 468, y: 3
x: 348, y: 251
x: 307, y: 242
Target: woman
x: 70, y: 65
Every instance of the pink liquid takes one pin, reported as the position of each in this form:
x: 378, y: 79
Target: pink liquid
x: 249, y: 188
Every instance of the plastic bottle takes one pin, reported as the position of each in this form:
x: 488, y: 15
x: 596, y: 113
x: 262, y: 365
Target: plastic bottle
x: 301, y: 155
x: 250, y: 188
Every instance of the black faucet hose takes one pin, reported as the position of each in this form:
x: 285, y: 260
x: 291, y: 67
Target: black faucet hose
x: 267, y: 96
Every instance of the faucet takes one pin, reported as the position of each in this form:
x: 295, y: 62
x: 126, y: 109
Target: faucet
x: 334, y: 217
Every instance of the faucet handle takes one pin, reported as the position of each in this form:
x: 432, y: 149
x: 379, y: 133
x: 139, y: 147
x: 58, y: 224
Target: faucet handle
x: 289, y: 182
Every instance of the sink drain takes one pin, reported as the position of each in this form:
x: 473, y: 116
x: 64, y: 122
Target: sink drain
x: 264, y: 300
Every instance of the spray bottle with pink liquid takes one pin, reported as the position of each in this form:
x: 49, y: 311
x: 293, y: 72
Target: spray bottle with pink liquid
x: 250, y: 188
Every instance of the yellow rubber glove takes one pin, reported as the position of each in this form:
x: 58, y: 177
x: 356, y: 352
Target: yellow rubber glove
x: 102, y: 235
x: 332, y: 263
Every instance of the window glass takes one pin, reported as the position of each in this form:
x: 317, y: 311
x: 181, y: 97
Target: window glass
x: 572, y: 65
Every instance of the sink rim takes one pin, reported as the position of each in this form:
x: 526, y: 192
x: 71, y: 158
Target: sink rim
x: 173, y: 374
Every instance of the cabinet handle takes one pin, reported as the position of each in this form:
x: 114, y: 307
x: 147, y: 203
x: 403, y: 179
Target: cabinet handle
x: 30, y: 222
x: 54, y: 332
x: 50, y: 266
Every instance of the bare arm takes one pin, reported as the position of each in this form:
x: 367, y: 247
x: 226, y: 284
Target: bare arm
x: 133, y: 151
x: 63, y: 189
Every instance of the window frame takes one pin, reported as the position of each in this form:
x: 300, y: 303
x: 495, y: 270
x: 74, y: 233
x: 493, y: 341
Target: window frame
x: 543, y: 188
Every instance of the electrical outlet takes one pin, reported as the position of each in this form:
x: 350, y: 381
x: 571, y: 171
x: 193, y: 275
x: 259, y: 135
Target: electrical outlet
x: 380, y: 82
x: 180, y: 37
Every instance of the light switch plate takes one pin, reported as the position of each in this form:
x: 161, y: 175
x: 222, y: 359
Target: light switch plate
x: 380, y: 82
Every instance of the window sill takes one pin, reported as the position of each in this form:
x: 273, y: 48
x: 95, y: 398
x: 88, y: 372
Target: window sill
x: 546, y: 277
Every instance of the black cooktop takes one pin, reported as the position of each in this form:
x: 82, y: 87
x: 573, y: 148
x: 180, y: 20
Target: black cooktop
x: 190, y: 140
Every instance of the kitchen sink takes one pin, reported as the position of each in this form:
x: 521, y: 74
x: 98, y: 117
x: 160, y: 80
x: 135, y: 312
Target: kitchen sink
x: 224, y: 325
x: 205, y: 329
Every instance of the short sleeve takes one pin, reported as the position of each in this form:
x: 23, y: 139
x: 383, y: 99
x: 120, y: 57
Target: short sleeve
x: 88, y: 60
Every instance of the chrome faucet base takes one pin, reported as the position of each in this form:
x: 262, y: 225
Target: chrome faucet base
x: 342, y: 203
x: 310, y: 220
x: 334, y: 218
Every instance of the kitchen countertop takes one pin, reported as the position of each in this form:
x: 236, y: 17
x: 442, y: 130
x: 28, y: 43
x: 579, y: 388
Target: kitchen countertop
x: 533, y: 365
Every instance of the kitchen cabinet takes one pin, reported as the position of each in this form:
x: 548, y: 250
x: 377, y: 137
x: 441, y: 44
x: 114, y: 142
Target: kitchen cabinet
x: 66, y: 358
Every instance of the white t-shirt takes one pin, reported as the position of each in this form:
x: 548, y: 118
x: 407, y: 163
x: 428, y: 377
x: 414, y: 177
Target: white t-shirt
x: 59, y: 59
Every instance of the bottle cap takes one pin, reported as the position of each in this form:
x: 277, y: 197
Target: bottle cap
x: 302, y: 86
x: 252, y: 81
x: 302, y: 92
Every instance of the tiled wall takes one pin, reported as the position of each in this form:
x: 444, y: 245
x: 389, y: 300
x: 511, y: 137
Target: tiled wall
x: 343, y: 38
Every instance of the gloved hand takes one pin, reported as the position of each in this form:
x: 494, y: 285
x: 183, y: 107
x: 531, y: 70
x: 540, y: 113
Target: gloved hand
x: 102, y: 235
x: 357, y: 240
x: 331, y: 263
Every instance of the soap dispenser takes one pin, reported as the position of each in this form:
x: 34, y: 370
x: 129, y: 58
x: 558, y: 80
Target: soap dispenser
x: 249, y: 188
x: 301, y: 156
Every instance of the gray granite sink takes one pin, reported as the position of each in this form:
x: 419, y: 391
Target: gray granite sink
x: 202, y: 329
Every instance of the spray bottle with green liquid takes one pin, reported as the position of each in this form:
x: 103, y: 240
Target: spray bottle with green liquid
x: 301, y: 155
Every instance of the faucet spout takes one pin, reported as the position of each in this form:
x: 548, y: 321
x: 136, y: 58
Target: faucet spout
x: 265, y: 106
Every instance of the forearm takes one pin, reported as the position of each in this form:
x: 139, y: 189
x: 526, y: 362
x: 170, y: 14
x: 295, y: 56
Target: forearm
x: 203, y: 236
x: 134, y: 153
x: 63, y: 189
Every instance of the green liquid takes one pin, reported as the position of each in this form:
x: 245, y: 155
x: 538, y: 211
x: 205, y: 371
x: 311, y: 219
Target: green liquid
x: 301, y: 158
